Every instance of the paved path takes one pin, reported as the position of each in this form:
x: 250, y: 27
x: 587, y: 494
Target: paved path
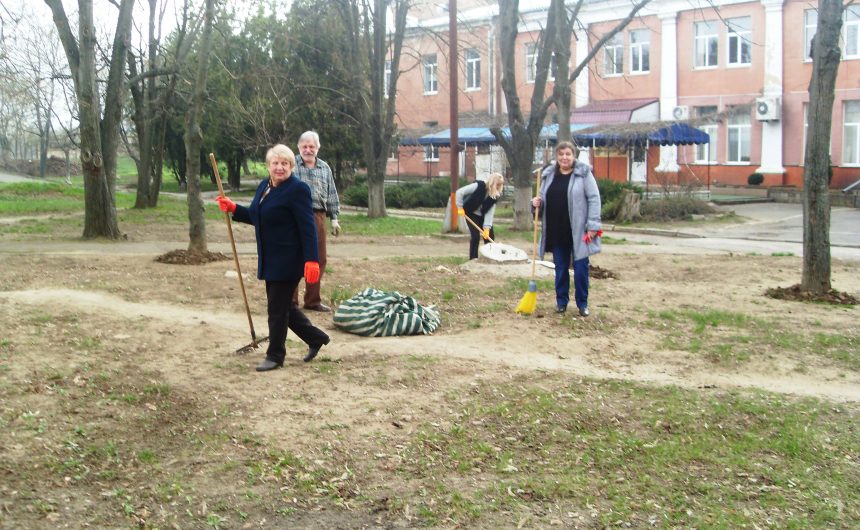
x: 10, y: 177
x: 770, y: 228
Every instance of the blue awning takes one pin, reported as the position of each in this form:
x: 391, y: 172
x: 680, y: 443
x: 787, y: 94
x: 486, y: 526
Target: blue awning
x: 482, y: 135
x: 642, y: 133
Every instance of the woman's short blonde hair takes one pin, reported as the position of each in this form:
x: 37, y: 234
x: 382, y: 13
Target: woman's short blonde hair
x: 281, y: 151
x: 495, y: 185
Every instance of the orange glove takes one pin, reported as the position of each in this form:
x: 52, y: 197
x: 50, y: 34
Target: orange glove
x: 225, y: 204
x: 588, y: 238
x: 485, y: 233
x: 461, y: 212
x: 312, y: 272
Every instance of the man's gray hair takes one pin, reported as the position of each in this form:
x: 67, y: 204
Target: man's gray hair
x: 310, y: 135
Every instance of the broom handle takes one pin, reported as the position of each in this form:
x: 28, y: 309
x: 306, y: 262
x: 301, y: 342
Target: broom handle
x: 537, y: 215
x: 473, y: 223
x: 233, y: 245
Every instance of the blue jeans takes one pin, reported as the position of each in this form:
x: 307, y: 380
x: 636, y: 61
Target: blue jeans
x: 561, y: 256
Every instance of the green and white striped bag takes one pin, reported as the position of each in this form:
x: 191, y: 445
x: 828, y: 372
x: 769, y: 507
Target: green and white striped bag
x: 375, y: 313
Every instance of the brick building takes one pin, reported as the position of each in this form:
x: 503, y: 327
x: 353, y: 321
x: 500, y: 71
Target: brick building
x: 739, y: 72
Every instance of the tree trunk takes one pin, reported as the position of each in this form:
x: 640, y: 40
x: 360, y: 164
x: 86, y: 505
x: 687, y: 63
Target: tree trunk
x: 628, y: 207
x: 99, y: 209
x: 371, y: 45
x: 816, y: 199
x: 194, y: 139
x: 98, y: 138
x: 520, y: 147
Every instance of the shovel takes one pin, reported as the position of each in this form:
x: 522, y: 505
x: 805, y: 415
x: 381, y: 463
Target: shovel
x: 508, y: 250
x: 255, y: 342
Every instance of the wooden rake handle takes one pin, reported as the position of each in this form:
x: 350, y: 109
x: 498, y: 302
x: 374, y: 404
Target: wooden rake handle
x: 233, y: 245
x: 473, y: 223
x: 537, y: 216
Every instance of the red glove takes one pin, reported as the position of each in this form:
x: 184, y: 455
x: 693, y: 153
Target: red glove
x: 312, y: 272
x: 225, y: 204
x: 587, y: 237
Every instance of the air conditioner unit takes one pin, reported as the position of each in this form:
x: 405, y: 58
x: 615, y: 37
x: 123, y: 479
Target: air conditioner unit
x: 681, y: 112
x: 767, y: 108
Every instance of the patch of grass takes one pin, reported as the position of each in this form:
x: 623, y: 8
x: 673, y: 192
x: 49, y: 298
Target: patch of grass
x: 363, y: 225
x: 622, y: 453
x: 727, y: 337
x: 781, y: 254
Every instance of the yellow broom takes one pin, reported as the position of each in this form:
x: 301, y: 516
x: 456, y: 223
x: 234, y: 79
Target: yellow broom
x: 528, y: 304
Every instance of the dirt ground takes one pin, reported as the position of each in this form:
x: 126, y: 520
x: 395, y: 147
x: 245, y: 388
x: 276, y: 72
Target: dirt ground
x: 610, y: 344
x: 114, y: 309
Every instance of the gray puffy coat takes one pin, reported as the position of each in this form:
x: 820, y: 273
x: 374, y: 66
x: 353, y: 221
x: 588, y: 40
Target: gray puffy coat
x: 583, y: 203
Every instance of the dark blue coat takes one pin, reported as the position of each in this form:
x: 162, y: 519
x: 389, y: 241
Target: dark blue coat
x: 285, y: 230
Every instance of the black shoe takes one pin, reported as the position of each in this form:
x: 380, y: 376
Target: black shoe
x: 322, y: 308
x: 267, y: 365
x: 560, y: 309
x: 583, y: 312
x: 312, y: 352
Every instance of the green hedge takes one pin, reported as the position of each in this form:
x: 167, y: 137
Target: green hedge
x: 610, y: 195
x: 407, y: 195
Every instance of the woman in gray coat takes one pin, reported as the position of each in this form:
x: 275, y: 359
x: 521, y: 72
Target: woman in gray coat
x: 570, y: 224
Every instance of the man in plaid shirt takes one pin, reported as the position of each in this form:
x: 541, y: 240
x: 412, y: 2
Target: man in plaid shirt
x: 319, y: 177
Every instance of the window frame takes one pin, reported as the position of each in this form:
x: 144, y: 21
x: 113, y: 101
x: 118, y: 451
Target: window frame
x: 856, y: 135
x: 431, y: 153
x: 530, y: 56
x: 853, y: 24
x: 473, y: 69
x: 743, y: 42
x: 809, y: 30
x: 430, y: 76
x: 706, y: 40
x: 386, y: 78
x: 744, y: 137
x: 644, y: 51
x: 712, y: 129
x: 613, y: 55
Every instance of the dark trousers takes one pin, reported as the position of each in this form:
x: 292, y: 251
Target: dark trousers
x: 312, y: 291
x: 476, y: 238
x: 561, y: 256
x: 283, y: 314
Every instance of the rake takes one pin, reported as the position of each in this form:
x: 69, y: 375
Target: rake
x: 255, y: 342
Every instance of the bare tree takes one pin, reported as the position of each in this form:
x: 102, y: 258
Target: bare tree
x: 816, y: 177
x: 99, y: 126
x: 153, y: 86
x: 556, y: 37
x: 194, y: 138
x: 369, y: 45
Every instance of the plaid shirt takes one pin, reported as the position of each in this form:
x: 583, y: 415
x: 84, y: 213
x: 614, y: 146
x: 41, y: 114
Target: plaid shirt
x: 321, y: 181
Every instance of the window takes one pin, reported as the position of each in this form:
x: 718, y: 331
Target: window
x: 531, y: 62
x: 613, y: 56
x: 640, y: 51
x: 739, y: 45
x: 431, y: 153
x: 805, y: 130
x: 386, y: 81
x: 739, y: 136
x: 473, y: 69
x: 810, y: 26
x: 851, y: 33
x: 431, y: 84
x: 706, y: 45
x: 851, y: 134
x: 707, y: 153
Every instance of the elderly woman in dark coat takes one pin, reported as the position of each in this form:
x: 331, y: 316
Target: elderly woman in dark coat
x: 283, y: 222
x: 570, y: 224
